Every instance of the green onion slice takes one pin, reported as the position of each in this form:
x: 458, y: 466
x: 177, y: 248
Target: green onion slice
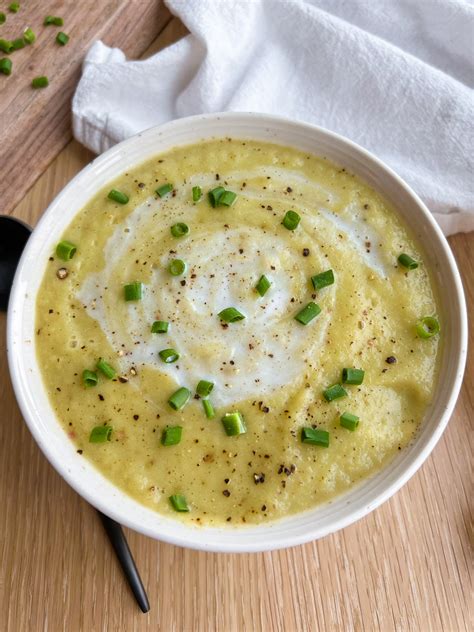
x: 208, y: 408
x: 6, y: 66
x: 230, y: 315
x: 234, y: 424
x: 105, y: 368
x: 322, y: 279
x: 334, y: 392
x: 18, y: 43
x: 100, y: 434
x: 263, y: 285
x: 227, y: 198
x: 89, y: 378
x: 65, y: 250
x: 427, y: 327
x: 204, y: 388
x: 160, y: 327
x: 180, y: 398
x: 169, y: 355
x: 3, y: 18
x: 407, y: 262
x: 40, y: 82
x: 176, y: 267
x: 291, y: 220
x: 197, y: 194
x: 118, y: 196
x: 178, y: 502
x: 133, y: 291
x: 315, y: 437
x: 164, y: 189
x: 352, y: 376
x: 14, y: 7
x: 307, y: 314
x: 6, y: 46
x: 29, y: 36
x: 349, y: 421
x: 171, y: 435
x: 62, y: 39
x: 52, y: 20
x: 179, y: 230
x: 215, y: 195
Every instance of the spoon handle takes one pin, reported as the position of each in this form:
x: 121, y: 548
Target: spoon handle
x: 122, y: 550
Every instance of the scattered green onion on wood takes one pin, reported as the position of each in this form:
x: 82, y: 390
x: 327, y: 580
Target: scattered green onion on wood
x: 208, y: 408
x: 204, y: 388
x: 176, y: 267
x: 133, y: 291
x: 14, y: 7
x: 263, y: 285
x: 180, y: 398
x: 307, y: 314
x: 51, y: 20
x: 315, y: 437
x: 349, y: 421
x: 179, y: 230
x: 6, y: 46
x: 291, y: 220
x: 89, y: 378
x: 178, y: 502
x: 323, y: 279
x: 197, y: 194
x: 230, y: 315
x: 234, y: 424
x: 6, y: 66
x: 105, y: 368
x: 40, y: 82
x: 62, y: 39
x: 171, y: 435
x: 427, y: 327
x: 169, y: 355
x: 214, y: 196
x: 160, y: 327
x: 29, y: 36
x: 407, y: 262
x: 65, y: 250
x: 118, y: 196
x: 100, y: 434
x: 334, y: 392
x: 18, y: 43
x: 164, y: 189
x: 352, y: 376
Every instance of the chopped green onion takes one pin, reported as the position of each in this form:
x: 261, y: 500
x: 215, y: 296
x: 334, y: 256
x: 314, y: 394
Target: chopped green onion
x: 230, y: 315
x: 62, y: 39
x: 164, y: 189
x: 291, y: 220
x: 169, y: 355
x: 263, y: 285
x: 133, y: 291
x: 171, y: 435
x: 307, y: 314
x: 352, y: 376
x: 6, y: 46
x: 18, y: 43
x: 118, y: 196
x: 100, y: 434
x: 89, y: 377
x: 407, y: 262
x: 197, y: 194
x: 65, y: 250
x: 215, y: 195
x: 315, y: 437
x: 322, y: 279
x: 14, y: 7
x: 349, y: 421
x: 29, y: 36
x: 427, y: 327
x: 176, y: 267
x: 208, y: 408
x: 179, y: 230
x: 180, y: 398
x: 227, y: 198
x: 6, y: 66
x: 3, y: 18
x: 334, y: 392
x: 40, y: 82
x: 51, y: 19
x: 105, y: 368
x: 234, y: 424
x: 204, y: 388
x: 159, y: 327
x: 178, y: 501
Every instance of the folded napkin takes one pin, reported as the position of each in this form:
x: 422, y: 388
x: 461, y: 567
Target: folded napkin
x: 395, y: 76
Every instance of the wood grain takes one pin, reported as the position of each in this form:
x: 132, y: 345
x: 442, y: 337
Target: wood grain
x: 405, y: 567
x: 36, y: 124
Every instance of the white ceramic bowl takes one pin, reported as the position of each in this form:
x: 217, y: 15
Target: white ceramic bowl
x: 101, y: 493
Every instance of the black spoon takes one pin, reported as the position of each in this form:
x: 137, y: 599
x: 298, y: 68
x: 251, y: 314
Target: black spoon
x: 13, y: 236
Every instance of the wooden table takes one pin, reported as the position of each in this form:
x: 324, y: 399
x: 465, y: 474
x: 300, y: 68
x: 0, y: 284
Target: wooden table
x: 405, y: 567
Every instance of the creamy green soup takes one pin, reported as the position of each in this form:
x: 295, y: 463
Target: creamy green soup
x: 280, y: 421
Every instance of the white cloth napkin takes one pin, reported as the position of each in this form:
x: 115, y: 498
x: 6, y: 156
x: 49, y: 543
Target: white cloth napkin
x: 395, y: 76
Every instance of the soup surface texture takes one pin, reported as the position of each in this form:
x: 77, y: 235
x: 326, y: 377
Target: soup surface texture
x: 268, y: 366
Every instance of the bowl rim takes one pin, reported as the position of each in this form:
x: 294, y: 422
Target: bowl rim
x: 194, y: 538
